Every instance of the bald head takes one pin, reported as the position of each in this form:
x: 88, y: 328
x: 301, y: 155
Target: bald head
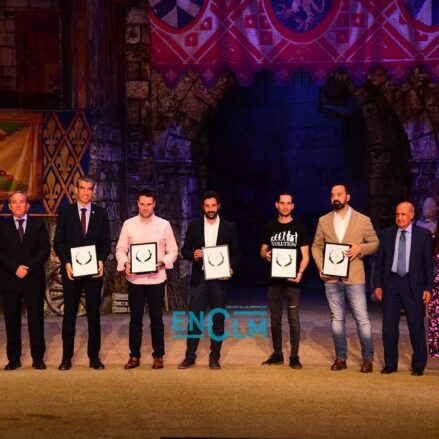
x: 405, y: 212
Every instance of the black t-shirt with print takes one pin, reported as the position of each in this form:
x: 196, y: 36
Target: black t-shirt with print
x: 285, y: 235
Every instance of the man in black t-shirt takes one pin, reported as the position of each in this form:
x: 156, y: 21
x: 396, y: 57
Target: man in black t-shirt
x: 285, y: 232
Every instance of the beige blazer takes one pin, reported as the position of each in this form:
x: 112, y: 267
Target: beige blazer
x: 359, y: 231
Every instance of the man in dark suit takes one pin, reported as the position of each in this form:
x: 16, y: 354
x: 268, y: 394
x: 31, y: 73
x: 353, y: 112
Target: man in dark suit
x: 82, y: 223
x: 206, y: 232
x: 404, y: 279
x: 24, y: 248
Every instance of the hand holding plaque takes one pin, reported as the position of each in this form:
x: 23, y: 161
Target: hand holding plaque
x: 335, y: 260
x: 143, y: 258
x: 216, y: 262
x: 284, y: 263
x: 84, y: 261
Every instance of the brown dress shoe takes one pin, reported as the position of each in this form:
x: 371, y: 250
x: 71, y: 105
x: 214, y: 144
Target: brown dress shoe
x: 157, y: 363
x: 132, y: 363
x: 366, y: 367
x: 339, y: 364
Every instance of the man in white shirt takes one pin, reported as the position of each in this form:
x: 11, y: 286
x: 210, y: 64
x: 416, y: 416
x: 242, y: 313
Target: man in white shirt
x: 150, y: 287
x: 209, y: 231
x: 346, y: 226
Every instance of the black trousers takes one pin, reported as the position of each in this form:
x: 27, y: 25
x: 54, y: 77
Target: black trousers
x: 276, y: 297
x: 154, y: 295
x: 398, y: 295
x: 206, y: 294
x: 34, y: 302
x: 72, y: 295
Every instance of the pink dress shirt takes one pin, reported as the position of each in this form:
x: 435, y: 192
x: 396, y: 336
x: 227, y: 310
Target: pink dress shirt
x: 136, y: 231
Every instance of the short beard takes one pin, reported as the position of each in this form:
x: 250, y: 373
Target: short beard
x: 209, y: 215
x: 337, y: 205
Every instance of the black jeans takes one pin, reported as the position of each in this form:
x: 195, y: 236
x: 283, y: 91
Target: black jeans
x: 153, y: 295
x: 276, y: 297
x: 206, y: 294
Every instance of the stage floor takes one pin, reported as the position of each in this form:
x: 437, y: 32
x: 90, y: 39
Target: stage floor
x: 242, y: 400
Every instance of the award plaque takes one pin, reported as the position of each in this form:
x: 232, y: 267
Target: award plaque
x: 335, y: 260
x: 284, y: 263
x: 84, y: 261
x: 216, y: 262
x: 143, y: 258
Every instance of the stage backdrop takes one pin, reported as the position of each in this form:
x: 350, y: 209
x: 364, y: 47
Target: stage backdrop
x: 245, y: 36
x: 43, y: 153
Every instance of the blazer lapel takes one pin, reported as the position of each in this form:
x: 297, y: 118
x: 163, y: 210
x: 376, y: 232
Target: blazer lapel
x: 14, y: 229
x: 91, y: 220
x: 351, y: 225
x: 330, y: 227
x: 76, y: 219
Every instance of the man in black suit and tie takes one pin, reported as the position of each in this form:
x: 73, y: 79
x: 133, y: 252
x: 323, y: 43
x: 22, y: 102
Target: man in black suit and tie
x: 82, y: 223
x: 206, y: 232
x: 404, y: 279
x: 24, y: 248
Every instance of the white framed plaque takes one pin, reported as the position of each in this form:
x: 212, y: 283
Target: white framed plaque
x: 216, y: 262
x: 84, y: 261
x: 335, y: 260
x: 143, y: 258
x: 284, y: 263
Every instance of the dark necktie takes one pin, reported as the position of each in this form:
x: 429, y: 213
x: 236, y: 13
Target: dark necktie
x: 20, y: 230
x: 83, y: 222
x: 401, y: 267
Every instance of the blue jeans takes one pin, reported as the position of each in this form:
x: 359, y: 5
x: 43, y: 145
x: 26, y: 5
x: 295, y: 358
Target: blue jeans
x: 336, y: 293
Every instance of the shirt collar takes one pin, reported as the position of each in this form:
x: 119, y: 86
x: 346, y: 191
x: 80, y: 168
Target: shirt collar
x: 217, y: 219
x: 88, y: 207
x: 23, y: 218
x: 348, y: 214
x: 408, y: 229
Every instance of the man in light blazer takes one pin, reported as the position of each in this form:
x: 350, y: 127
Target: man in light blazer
x: 80, y: 224
x: 209, y: 231
x: 404, y: 279
x: 347, y: 226
x: 24, y: 248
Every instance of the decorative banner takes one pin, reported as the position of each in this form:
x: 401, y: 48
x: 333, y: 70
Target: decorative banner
x: 43, y: 154
x: 20, y: 153
x: 245, y: 36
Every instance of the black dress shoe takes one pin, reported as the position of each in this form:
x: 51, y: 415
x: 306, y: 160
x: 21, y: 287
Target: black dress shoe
x: 96, y: 364
x: 187, y: 363
x: 214, y: 363
x: 387, y: 370
x: 12, y: 365
x: 39, y: 364
x: 65, y: 365
x: 417, y: 372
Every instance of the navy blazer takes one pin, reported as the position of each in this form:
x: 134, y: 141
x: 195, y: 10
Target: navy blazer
x: 69, y: 233
x: 421, y: 260
x: 32, y: 252
x: 194, y: 239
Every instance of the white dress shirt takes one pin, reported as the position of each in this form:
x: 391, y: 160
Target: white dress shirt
x: 87, y: 214
x: 408, y: 247
x: 24, y: 222
x: 341, y: 224
x: 211, y: 232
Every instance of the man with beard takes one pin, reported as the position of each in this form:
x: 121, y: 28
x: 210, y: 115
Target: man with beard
x: 346, y: 226
x: 207, y: 232
x: 285, y: 233
x: 145, y: 228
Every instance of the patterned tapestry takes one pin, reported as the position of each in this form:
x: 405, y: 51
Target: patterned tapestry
x: 20, y: 153
x: 64, y: 138
x: 245, y: 36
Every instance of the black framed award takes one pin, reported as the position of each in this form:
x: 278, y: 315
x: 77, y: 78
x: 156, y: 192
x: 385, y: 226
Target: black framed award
x: 216, y: 262
x: 84, y: 261
x: 143, y: 258
x: 284, y: 263
x: 335, y: 261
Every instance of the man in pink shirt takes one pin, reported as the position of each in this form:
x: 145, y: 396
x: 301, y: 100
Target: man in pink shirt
x: 146, y: 228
